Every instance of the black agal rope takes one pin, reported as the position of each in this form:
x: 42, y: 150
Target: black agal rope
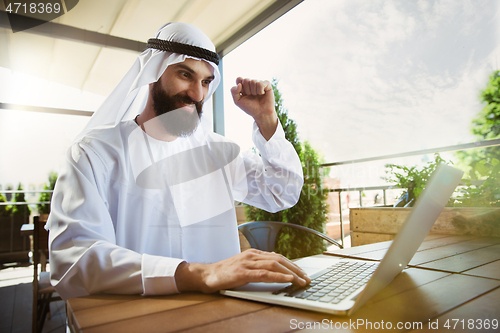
x: 190, y: 50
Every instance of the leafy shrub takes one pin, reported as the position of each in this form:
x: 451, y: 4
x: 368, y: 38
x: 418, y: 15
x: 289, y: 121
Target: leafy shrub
x: 45, y: 196
x: 411, y: 178
x: 5, y: 210
x: 18, y: 210
x: 311, y: 209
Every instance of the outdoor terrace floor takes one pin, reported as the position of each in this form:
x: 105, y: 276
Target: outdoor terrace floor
x: 16, y: 295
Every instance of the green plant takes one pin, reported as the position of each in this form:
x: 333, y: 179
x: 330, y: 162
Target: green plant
x: 411, y: 178
x: 485, y: 126
x: 487, y: 123
x: 5, y: 210
x: 487, y: 194
x: 482, y: 165
x: 311, y: 209
x: 46, y: 196
x: 20, y: 209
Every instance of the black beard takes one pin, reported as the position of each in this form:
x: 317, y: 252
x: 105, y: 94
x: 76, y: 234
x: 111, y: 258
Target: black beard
x: 176, y: 121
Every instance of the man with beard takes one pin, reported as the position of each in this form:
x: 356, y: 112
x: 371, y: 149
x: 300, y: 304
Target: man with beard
x: 180, y: 123
x: 145, y: 205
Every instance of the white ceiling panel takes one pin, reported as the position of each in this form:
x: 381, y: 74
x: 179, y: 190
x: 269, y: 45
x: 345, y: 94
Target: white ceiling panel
x: 83, y: 63
x: 71, y: 62
x: 110, y: 66
x: 94, y: 15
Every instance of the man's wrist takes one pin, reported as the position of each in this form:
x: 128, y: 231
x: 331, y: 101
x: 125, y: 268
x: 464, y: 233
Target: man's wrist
x: 191, y: 277
x: 267, y: 125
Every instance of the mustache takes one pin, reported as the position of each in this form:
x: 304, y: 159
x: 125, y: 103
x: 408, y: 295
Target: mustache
x: 163, y: 103
x: 184, y: 99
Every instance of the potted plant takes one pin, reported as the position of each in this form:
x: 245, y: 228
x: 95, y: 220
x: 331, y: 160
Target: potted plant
x: 5, y: 222
x: 487, y: 194
x: 20, y: 216
x: 13, y: 246
x: 44, y: 209
x: 474, y: 209
x: 412, y: 179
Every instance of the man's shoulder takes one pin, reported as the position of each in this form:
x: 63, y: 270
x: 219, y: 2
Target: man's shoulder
x: 106, y: 141
x: 109, y: 134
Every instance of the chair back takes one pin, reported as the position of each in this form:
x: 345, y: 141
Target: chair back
x: 40, y: 242
x: 42, y: 290
x: 261, y: 234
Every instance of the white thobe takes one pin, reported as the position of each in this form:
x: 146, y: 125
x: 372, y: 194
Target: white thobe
x: 114, y: 230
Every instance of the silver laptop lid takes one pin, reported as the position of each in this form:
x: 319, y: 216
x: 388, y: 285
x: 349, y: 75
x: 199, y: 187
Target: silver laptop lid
x: 419, y: 222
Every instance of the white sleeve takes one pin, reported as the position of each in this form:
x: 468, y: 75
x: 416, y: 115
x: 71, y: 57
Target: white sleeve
x: 84, y: 257
x: 274, y: 179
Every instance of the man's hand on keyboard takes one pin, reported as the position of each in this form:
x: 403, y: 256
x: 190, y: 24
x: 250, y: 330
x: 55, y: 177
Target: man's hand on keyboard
x: 249, y: 266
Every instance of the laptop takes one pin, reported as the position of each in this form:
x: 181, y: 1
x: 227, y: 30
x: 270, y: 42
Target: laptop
x: 341, y: 286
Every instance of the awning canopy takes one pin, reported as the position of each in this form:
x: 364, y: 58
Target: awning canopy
x: 92, y: 45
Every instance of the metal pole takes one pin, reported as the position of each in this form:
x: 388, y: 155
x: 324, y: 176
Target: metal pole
x: 360, y: 198
x: 218, y: 104
x: 385, y: 198
x: 341, y: 220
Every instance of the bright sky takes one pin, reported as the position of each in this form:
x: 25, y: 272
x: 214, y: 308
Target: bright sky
x: 370, y: 78
x: 360, y: 78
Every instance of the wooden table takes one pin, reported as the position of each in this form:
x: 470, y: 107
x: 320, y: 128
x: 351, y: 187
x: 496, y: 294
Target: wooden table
x: 452, y: 283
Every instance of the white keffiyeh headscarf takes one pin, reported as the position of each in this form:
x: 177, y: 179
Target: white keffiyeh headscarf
x: 153, y: 167
x: 129, y: 97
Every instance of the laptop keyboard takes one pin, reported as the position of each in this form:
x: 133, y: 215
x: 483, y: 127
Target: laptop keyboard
x: 334, y: 283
